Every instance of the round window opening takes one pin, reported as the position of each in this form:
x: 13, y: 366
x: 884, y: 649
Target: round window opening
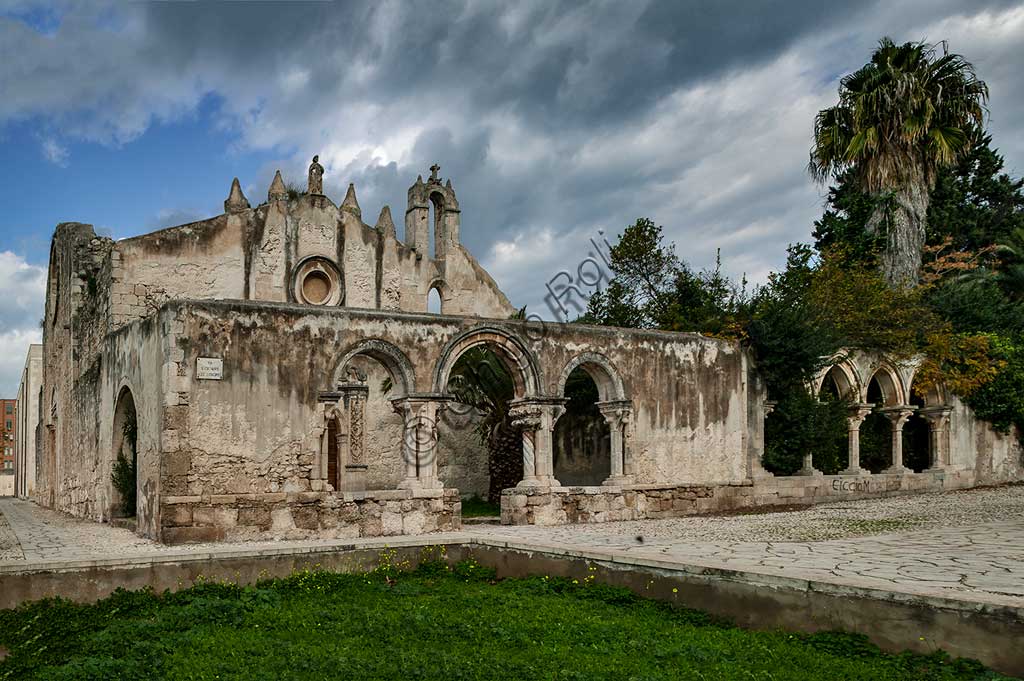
x: 316, y: 287
x: 318, y: 282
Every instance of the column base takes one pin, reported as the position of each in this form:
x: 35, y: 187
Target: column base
x: 618, y: 480
x: 808, y: 471
x: 539, y: 481
x: 855, y: 471
x: 897, y: 470
x: 420, y: 483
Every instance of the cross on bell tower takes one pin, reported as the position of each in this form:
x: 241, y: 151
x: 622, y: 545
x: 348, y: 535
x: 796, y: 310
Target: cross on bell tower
x: 434, y: 179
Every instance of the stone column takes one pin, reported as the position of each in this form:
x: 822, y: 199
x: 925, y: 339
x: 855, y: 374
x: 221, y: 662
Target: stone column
x: 352, y: 435
x: 858, y: 412
x: 419, y: 439
x: 618, y: 414
x: 808, y: 467
x: 938, y: 436
x: 537, y: 416
x: 897, y: 417
x: 756, y: 465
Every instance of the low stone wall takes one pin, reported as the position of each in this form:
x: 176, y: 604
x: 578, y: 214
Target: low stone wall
x: 568, y: 505
x: 308, y: 515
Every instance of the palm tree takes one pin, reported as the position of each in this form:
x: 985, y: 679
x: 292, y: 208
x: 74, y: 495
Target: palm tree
x: 907, y: 113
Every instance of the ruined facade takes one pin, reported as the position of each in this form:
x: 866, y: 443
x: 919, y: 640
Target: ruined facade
x: 274, y: 371
x: 29, y: 391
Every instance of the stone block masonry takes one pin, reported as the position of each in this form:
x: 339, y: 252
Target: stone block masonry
x: 308, y: 515
x: 605, y: 503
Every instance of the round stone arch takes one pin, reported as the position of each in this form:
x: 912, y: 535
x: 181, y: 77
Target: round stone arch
x: 125, y: 441
x: 890, y: 383
x: 845, y: 378
x: 601, y: 371
x: 519, y: 361
x: 389, y: 355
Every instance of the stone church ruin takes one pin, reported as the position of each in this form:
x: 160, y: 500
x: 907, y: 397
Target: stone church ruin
x: 274, y: 371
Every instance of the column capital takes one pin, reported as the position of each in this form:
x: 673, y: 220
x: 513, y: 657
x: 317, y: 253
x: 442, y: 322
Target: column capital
x: 857, y: 412
x: 936, y: 416
x: 616, y: 412
x: 898, y: 414
x: 413, y: 402
x: 533, y: 413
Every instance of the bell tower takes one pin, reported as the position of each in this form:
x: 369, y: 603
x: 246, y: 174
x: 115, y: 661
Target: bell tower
x: 444, y: 227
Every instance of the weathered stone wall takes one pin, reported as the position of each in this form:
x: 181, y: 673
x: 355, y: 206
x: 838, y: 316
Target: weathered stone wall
x: 28, y: 419
x: 567, y: 505
x: 992, y: 457
x: 308, y: 515
x: 257, y: 429
x: 254, y: 254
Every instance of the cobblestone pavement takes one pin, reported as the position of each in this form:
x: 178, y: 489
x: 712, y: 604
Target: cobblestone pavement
x: 10, y: 548
x: 46, y: 535
x: 966, y: 545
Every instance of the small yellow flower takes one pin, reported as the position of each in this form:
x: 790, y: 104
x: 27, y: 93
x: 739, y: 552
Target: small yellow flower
x: 675, y: 590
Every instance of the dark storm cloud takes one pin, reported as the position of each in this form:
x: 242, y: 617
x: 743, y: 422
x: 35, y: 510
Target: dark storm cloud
x: 553, y: 120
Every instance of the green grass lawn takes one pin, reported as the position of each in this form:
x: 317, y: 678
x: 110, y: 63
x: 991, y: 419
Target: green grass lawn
x: 433, y: 623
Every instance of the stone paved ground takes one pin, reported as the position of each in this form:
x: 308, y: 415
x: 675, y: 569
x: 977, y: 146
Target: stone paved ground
x: 954, y: 544
x: 10, y: 548
x: 966, y: 544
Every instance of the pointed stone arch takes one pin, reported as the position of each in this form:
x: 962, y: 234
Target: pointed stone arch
x: 889, y: 382
x: 842, y: 371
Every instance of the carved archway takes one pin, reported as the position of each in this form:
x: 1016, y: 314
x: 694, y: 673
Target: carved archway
x: 605, y: 376
x: 510, y: 348
x: 393, y: 359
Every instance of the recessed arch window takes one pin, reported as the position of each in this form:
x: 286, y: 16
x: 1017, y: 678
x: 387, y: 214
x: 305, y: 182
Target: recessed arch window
x: 318, y: 281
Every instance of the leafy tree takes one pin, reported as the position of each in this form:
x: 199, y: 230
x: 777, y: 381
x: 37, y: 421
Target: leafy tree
x: 900, y: 118
x: 1001, y: 400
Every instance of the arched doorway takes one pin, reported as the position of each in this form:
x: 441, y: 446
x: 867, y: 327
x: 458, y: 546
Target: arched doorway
x: 915, y: 436
x: 125, y: 466
x: 362, y: 445
x: 483, y: 445
x: 836, y: 394
x: 582, y: 438
x: 876, y: 432
x: 490, y: 371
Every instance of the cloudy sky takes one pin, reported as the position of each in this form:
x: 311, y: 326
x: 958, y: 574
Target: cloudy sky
x: 554, y: 121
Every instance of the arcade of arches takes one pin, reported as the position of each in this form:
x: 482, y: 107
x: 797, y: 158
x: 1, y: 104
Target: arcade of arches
x: 890, y: 428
